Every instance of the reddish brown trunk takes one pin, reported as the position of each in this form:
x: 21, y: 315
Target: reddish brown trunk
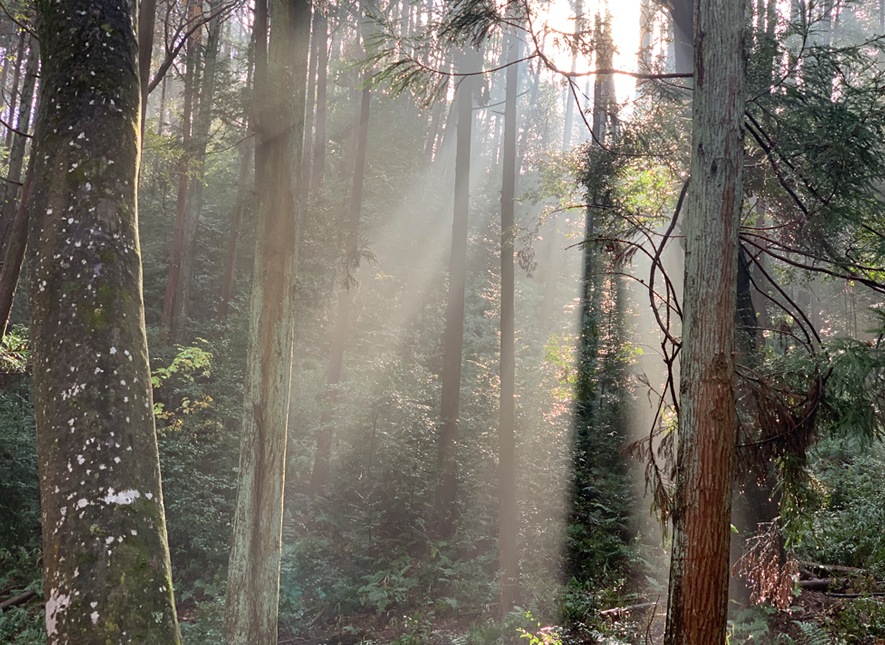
x: 698, y: 602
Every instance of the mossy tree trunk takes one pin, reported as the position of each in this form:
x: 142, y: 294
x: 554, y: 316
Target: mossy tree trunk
x: 106, y: 563
x: 701, y: 518
x: 254, y: 572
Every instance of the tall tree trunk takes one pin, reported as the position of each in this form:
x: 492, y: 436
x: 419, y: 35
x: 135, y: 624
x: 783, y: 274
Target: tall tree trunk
x: 147, y: 13
x: 13, y: 256
x: 254, y: 572
x: 194, y: 205
x: 14, y: 217
x: 445, y: 510
x: 247, y: 150
x: 162, y: 106
x: 570, y: 95
x: 17, y: 154
x: 107, y: 575
x: 508, y: 515
x: 311, y: 95
x: 172, y: 279
x: 318, y: 165
x: 702, y: 507
x: 682, y: 19
x: 322, y: 458
x: 16, y: 76
x: 4, y: 78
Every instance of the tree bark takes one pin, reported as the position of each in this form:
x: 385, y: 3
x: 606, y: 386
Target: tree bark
x: 254, y: 571
x: 19, y: 142
x: 13, y: 256
x: 16, y: 76
x: 107, y: 574
x: 318, y: 165
x: 322, y: 458
x: 445, y: 511
x: 311, y: 96
x: 247, y: 150
x: 702, y: 507
x: 508, y: 514
x: 194, y: 204
x: 169, y: 301
x: 147, y: 14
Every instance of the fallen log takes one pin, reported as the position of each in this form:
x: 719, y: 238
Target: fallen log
x: 822, y: 584
x: 17, y: 600
x: 617, y: 611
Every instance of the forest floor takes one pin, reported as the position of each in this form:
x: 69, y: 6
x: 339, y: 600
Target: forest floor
x: 815, y: 618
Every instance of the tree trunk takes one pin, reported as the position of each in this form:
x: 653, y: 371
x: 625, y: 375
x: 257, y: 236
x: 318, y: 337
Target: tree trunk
x: 16, y: 76
x: 570, y: 95
x: 322, y: 458
x: 247, y: 150
x: 106, y: 563
x: 311, y: 96
x: 17, y: 154
x: 508, y: 514
x: 194, y: 204
x: 445, y: 511
x: 147, y: 13
x: 702, y: 507
x: 254, y: 570
x: 13, y: 257
x: 319, y: 146
x: 230, y: 259
x: 169, y: 306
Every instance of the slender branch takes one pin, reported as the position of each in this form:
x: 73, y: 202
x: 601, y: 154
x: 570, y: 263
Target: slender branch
x: 23, y: 26
x: 172, y: 54
x: 18, y: 132
x: 784, y: 295
x: 657, y: 258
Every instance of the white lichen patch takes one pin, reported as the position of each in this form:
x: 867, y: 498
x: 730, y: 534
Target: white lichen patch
x: 57, y: 603
x: 123, y: 497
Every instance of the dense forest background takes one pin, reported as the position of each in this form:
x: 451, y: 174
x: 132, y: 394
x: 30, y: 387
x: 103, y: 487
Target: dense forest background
x: 392, y: 501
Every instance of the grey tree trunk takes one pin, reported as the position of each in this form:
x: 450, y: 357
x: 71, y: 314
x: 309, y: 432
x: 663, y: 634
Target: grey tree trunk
x: 106, y: 564
x: 508, y: 513
x: 16, y: 75
x: 147, y: 14
x: 318, y: 166
x: 702, y: 507
x: 19, y: 143
x: 254, y: 572
x: 447, y: 467
x: 194, y: 205
x: 322, y: 458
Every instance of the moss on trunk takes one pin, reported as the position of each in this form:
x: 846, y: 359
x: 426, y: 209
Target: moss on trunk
x: 106, y: 561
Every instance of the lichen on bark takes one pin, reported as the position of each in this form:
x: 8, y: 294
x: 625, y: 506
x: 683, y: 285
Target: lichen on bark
x: 106, y: 561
